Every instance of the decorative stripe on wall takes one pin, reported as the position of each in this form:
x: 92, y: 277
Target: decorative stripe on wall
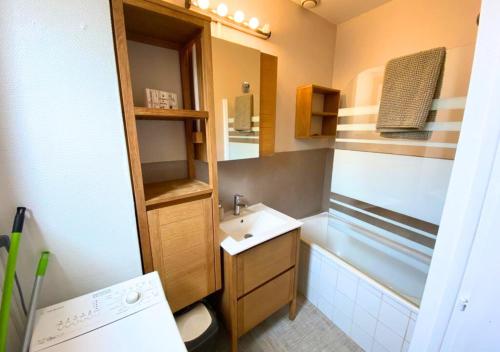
x: 357, y: 131
x: 243, y: 134
x: 405, y: 226
x: 393, y: 215
x: 436, y: 136
x: 420, y: 151
x: 437, y: 104
x: 244, y: 140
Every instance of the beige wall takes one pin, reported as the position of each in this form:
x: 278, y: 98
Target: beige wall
x: 364, y: 45
x: 157, y: 68
x: 304, y: 44
x: 403, y: 27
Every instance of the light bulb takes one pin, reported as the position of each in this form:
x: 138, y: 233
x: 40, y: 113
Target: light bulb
x: 239, y: 16
x: 222, y: 10
x: 253, y: 23
x: 203, y: 4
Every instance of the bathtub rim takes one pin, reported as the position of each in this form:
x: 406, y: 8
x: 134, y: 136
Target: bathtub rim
x: 344, y: 264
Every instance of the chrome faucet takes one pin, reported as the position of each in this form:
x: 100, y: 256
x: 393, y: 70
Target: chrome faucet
x: 238, y: 204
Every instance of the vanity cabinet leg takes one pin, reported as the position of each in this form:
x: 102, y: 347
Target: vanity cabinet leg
x: 234, y: 342
x: 292, y: 310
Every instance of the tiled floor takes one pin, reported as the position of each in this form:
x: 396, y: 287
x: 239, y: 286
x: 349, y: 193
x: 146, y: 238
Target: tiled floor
x: 311, y: 331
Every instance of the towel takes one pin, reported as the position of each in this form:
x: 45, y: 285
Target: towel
x: 243, y: 108
x: 410, y: 85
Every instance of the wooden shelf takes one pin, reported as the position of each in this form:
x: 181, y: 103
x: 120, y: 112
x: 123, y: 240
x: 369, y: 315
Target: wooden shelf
x: 316, y: 136
x: 164, y: 114
x: 313, y: 103
x: 164, y: 192
x: 324, y: 113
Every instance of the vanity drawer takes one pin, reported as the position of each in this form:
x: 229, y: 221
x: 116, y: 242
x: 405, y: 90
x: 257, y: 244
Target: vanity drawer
x: 264, y: 301
x: 260, y: 264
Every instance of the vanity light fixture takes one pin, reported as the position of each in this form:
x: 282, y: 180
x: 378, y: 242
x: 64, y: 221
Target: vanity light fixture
x: 222, y: 10
x: 220, y: 14
x: 203, y: 4
x: 239, y: 16
x: 253, y: 23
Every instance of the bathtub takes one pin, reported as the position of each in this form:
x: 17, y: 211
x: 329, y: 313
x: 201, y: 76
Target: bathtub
x: 367, y: 285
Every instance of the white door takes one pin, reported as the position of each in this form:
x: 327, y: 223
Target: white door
x: 475, y: 321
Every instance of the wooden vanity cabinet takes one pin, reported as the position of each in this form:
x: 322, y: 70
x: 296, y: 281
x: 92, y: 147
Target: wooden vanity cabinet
x: 258, y: 282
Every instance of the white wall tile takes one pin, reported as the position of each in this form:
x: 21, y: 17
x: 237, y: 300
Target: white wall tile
x: 369, y: 299
x: 325, y: 307
x: 328, y: 279
x: 378, y: 347
x: 347, y: 283
x: 406, y: 346
x: 409, y: 330
x: 387, y: 338
x: 393, y: 319
x: 371, y: 288
x: 342, y: 320
x: 313, y: 283
x: 414, y: 315
x: 364, y: 320
x: 364, y: 340
x: 344, y: 304
x: 399, y: 306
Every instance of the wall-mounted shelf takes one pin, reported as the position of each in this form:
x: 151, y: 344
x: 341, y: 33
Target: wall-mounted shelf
x: 169, y: 191
x: 164, y: 114
x: 316, y: 112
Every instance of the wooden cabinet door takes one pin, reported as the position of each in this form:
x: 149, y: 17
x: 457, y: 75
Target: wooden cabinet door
x: 182, y: 238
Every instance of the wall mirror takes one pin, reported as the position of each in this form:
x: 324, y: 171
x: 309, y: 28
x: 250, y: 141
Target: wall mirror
x: 245, y: 100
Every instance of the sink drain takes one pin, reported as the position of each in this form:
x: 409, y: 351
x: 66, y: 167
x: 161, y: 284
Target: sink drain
x: 247, y: 235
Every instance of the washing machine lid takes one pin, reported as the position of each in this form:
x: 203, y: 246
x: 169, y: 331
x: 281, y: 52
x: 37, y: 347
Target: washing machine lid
x: 133, y: 315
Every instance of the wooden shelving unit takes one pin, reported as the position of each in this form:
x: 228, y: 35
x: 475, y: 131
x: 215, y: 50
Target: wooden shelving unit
x: 324, y: 113
x: 318, y: 107
x: 185, y: 209
x: 174, y: 115
x: 170, y: 191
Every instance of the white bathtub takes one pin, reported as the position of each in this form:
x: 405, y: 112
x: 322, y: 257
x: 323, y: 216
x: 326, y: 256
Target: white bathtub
x: 367, y: 285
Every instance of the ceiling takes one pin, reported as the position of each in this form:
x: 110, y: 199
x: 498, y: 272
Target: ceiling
x: 338, y: 11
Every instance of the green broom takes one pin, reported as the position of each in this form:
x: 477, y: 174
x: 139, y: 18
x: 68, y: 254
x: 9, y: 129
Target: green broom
x: 10, y: 272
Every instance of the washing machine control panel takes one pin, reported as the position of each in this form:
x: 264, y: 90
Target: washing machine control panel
x: 66, y: 320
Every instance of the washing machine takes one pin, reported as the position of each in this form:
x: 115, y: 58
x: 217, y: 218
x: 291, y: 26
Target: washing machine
x: 131, y: 316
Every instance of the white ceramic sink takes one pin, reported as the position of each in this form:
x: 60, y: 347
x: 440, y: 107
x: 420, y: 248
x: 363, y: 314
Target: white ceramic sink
x: 256, y: 224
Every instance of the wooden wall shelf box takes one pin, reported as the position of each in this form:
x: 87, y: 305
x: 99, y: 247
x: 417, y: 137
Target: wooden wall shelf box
x: 313, y: 120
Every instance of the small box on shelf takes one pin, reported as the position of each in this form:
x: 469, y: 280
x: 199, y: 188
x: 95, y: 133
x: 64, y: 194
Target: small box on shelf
x: 159, y: 99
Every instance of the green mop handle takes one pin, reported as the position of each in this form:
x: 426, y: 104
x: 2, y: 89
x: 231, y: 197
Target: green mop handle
x: 10, y: 272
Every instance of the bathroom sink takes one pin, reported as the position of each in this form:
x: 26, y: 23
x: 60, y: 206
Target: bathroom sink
x: 255, y: 225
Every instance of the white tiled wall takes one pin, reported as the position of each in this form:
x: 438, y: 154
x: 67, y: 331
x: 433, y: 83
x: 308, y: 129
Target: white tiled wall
x: 370, y: 315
